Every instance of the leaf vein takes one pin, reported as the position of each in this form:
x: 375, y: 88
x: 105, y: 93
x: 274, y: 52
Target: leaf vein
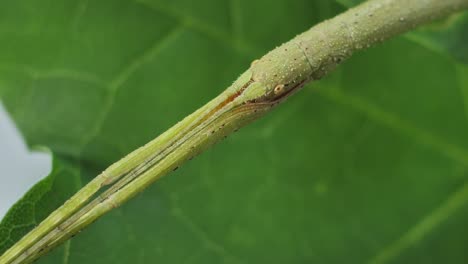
x: 463, y: 86
x: 398, y: 124
x: 239, y: 45
x: 421, y: 229
x: 64, y: 73
x: 66, y: 252
x: 124, y: 75
x: 235, y: 18
x: 201, y: 234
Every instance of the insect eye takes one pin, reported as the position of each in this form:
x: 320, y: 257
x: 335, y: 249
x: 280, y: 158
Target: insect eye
x: 278, y: 89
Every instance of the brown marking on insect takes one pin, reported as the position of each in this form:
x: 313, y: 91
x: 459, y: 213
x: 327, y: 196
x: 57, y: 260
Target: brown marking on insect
x: 230, y: 98
x: 280, y: 93
x: 59, y: 228
x: 112, y: 203
x: 107, y: 179
x: 102, y: 198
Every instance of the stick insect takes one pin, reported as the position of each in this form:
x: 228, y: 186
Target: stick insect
x: 244, y: 101
x: 268, y: 81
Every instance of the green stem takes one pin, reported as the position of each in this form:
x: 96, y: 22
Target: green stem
x: 268, y: 81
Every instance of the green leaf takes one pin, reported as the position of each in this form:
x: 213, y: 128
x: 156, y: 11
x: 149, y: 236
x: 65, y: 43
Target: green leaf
x: 450, y: 36
x: 51, y: 192
x: 369, y: 164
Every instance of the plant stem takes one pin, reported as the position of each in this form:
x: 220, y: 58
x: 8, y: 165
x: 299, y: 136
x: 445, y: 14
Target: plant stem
x: 270, y: 80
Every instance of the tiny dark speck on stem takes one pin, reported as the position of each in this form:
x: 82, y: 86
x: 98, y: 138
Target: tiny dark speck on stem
x: 175, y: 168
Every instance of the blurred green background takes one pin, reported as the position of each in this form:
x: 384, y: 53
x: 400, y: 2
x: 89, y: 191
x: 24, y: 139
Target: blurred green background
x: 368, y: 165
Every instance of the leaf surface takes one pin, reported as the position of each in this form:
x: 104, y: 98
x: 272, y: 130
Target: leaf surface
x: 367, y: 165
